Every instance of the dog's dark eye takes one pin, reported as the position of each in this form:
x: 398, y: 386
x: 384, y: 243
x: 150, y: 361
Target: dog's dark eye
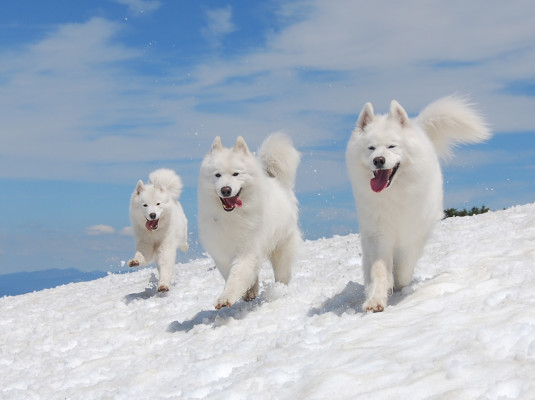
x: 371, y: 148
x: 235, y: 174
x: 218, y: 175
x: 157, y: 204
x: 392, y: 146
x: 145, y: 205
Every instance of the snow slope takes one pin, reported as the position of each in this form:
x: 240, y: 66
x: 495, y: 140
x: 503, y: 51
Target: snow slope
x: 464, y: 329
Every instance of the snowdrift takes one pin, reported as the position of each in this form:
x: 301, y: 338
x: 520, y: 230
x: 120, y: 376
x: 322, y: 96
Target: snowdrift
x: 464, y: 328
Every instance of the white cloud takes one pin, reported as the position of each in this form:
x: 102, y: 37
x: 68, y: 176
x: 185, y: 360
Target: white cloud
x: 74, y: 98
x: 65, y: 100
x: 414, y: 52
x: 219, y: 24
x: 97, y: 230
x: 126, y: 231
x: 56, y: 90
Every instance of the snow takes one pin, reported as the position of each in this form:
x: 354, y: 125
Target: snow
x: 464, y: 328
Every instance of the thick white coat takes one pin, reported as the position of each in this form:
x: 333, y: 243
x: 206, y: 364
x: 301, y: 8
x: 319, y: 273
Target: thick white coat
x: 265, y: 226
x: 158, y: 200
x: 396, y: 222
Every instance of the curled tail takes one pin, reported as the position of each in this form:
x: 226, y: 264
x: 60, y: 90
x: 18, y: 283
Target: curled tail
x: 280, y: 159
x: 167, y: 179
x: 450, y: 121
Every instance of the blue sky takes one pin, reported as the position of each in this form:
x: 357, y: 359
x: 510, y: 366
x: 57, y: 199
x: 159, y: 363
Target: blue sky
x: 95, y: 95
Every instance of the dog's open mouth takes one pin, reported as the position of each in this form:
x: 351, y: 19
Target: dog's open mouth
x: 152, y: 224
x: 382, y: 178
x: 230, y: 203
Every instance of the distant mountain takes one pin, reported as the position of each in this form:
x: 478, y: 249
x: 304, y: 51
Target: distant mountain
x: 25, y: 282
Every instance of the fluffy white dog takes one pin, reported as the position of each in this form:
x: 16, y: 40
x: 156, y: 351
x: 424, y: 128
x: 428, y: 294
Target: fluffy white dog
x: 248, y: 213
x: 159, y: 224
x: 393, y: 165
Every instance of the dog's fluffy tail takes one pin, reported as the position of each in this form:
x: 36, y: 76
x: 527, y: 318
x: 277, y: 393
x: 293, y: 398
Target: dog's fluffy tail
x: 280, y: 159
x: 450, y: 121
x: 168, y: 180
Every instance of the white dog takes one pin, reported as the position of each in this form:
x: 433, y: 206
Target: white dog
x: 159, y: 224
x: 395, y: 173
x: 248, y: 212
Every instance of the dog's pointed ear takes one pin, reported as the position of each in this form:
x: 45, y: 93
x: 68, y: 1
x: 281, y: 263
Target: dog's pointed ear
x: 366, y: 116
x: 139, y: 187
x: 216, y: 145
x: 398, y: 113
x: 241, y: 145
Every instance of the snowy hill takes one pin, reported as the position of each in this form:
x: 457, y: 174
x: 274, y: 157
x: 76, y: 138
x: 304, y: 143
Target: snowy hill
x: 464, y: 329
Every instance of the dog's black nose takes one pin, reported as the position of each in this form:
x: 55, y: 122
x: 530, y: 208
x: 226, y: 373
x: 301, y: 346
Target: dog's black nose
x: 379, y: 162
x: 226, y: 191
x: 152, y: 215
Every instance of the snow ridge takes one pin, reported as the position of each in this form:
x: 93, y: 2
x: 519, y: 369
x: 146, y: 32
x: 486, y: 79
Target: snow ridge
x: 464, y: 328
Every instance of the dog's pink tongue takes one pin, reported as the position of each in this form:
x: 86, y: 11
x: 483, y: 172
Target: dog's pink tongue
x: 380, y: 180
x: 152, y: 224
x: 234, y: 201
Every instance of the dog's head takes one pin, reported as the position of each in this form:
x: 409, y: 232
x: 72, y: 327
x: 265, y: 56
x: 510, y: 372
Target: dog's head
x: 229, y: 171
x: 150, y: 202
x: 380, y: 140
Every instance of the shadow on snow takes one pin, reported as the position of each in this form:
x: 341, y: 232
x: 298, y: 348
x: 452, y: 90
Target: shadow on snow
x: 150, y: 291
x: 351, y: 299
x: 217, y: 318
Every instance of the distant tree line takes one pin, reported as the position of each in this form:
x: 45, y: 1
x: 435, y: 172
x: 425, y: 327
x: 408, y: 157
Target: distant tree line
x: 453, y: 212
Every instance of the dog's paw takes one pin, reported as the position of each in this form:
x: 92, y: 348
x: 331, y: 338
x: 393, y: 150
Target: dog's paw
x: 251, y: 294
x: 133, y: 263
x: 163, y: 288
x: 373, y: 306
x: 220, y: 305
x: 228, y: 298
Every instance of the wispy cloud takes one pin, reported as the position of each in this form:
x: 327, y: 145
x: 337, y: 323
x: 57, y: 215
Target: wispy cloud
x: 127, y: 231
x: 76, y: 97
x: 218, y: 24
x: 397, y: 62
x: 55, y: 89
x: 97, y: 230
x: 71, y: 96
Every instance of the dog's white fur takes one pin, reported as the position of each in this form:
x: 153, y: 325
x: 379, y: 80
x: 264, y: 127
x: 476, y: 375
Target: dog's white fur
x: 396, y: 222
x: 263, y: 224
x: 155, y: 205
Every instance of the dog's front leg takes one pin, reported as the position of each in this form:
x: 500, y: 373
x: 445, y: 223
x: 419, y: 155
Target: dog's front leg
x: 242, y: 277
x: 379, y: 287
x: 143, y: 256
x: 378, y: 278
x: 165, y: 261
